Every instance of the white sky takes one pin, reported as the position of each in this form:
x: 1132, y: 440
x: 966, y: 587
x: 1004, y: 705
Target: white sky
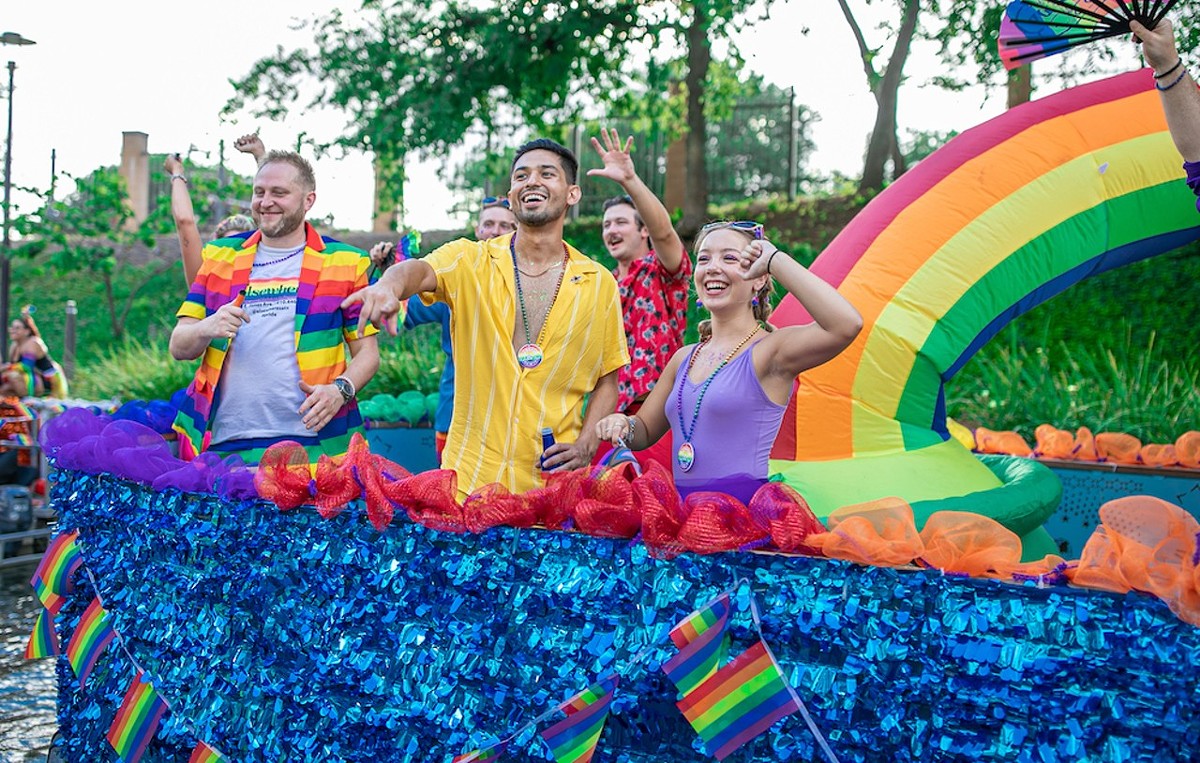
x: 163, y: 68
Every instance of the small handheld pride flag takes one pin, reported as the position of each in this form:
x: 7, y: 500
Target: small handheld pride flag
x: 51, y: 580
x: 92, y: 636
x: 480, y: 755
x: 574, y: 739
x: 43, y: 642
x: 205, y: 754
x: 702, y: 645
x: 137, y: 720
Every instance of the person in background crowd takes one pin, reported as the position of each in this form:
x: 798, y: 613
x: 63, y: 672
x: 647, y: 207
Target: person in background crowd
x: 43, y: 375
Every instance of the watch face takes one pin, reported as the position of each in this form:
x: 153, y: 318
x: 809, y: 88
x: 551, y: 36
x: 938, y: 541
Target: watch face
x: 343, y: 386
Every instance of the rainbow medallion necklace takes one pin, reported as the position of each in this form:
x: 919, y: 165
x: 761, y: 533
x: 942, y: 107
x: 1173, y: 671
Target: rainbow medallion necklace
x: 686, y: 455
x: 530, y: 354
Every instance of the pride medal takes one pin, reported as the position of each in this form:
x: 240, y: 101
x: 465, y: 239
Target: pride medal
x: 529, y: 356
x: 686, y: 456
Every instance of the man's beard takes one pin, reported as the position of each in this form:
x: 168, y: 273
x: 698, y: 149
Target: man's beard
x: 286, y: 224
x: 539, y: 218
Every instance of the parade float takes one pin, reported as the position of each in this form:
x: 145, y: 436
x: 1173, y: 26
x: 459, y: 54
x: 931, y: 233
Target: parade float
x: 199, y: 612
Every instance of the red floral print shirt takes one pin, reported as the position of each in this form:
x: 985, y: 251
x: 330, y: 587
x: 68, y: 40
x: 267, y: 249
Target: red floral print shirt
x: 654, y: 307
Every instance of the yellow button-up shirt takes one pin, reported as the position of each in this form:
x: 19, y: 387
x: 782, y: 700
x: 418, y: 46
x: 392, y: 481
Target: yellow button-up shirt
x: 499, y: 407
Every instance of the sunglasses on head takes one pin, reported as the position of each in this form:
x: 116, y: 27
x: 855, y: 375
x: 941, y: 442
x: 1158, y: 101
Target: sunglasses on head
x: 495, y: 201
x: 755, y: 229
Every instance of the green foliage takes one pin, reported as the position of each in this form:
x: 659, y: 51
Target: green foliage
x: 134, y: 369
x: 412, y: 360
x: 919, y: 144
x: 1120, y: 385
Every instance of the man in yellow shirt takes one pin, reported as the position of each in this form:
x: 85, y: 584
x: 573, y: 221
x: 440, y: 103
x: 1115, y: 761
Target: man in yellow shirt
x: 536, y: 327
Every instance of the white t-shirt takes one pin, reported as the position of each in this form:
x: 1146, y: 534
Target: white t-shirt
x: 259, y: 393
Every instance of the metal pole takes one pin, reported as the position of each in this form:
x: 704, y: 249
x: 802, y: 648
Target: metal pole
x: 5, y: 273
x: 69, y: 341
x: 791, y: 181
x: 53, y: 172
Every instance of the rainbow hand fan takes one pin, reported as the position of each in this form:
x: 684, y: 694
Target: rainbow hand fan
x: 1033, y: 29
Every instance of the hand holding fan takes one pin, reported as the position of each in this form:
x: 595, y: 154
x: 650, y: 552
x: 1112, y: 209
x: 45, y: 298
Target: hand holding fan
x: 1033, y: 29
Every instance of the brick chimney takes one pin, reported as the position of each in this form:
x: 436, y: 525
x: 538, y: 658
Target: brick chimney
x: 135, y: 169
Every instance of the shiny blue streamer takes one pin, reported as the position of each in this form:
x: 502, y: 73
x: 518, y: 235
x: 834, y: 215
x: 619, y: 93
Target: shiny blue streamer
x: 287, y: 637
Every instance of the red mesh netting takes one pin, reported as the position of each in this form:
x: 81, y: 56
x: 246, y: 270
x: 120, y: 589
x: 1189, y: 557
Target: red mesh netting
x: 655, y: 496
x: 607, y: 507
x: 552, y: 503
x: 786, y: 516
x: 283, y: 475
x: 1118, y: 447
x: 431, y: 499
x: 718, y: 522
x: 494, y: 505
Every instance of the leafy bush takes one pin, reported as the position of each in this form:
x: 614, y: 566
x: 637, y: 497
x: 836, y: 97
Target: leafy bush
x: 133, y: 370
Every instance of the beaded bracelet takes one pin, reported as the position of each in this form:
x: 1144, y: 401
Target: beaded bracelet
x: 1168, y: 71
x: 1174, y: 82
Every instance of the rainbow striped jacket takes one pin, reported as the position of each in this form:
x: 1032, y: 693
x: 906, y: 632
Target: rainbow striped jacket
x: 331, y: 271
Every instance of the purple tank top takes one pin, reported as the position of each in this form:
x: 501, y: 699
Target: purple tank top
x: 733, y: 433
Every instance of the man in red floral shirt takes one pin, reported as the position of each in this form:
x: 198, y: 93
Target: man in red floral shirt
x: 653, y: 272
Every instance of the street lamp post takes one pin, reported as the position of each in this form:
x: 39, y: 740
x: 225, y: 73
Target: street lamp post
x: 8, y: 38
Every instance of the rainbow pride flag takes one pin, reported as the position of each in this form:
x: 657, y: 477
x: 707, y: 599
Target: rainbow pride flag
x: 92, y: 636
x: 43, y: 642
x: 574, y: 738
x: 137, y: 720
x: 205, y: 754
x: 51, y: 580
x: 480, y: 755
x: 739, y: 701
x: 702, y: 645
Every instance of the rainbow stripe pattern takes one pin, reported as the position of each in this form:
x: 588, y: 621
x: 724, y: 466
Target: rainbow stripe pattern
x: 574, y: 739
x: 205, y: 754
x: 700, y: 638
x: 480, y: 755
x: 43, y: 642
x: 137, y: 720
x: 92, y: 636
x: 739, y: 702
x: 51, y: 580
x: 1000, y: 219
x: 330, y: 272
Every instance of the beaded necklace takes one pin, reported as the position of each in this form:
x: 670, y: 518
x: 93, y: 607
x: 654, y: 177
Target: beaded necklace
x: 284, y: 258
x: 530, y: 354
x: 686, y: 455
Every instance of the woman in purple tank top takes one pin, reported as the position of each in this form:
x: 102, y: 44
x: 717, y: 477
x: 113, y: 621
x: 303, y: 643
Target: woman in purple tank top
x: 723, y: 399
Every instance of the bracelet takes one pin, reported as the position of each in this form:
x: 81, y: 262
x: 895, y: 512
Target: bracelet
x: 769, y: 260
x: 1168, y: 71
x: 632, y: 422
x: 1174, y: 82
x: 180, y: 177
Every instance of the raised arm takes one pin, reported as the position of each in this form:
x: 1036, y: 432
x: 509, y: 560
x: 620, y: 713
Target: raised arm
x: 251, y: 144
x: 788, y: 351
x: 618, y: 166
x: 190, y: 245
x: 382, y: 301
x: 1176, y: 88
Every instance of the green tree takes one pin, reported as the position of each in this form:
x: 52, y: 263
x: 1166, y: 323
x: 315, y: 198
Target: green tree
x: 416, y: 76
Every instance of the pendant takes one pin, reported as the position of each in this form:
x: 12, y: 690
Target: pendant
x: 529, y: 356
x: 686, y: 456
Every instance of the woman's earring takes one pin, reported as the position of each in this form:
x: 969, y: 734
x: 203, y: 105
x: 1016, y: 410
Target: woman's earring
x: 699, y: 303
x: 754, y: 302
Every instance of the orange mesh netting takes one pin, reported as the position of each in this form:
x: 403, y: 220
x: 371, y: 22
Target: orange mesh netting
x: 1117, y: 447
x: 1187, y: 450
x: 1158, y: 455
x: 972, y: 544
x: 1085, y: 445
x: 1053, y: 442
x: 1009, y: 443
x: 283, y: 475
x: 1145, y: 544
x: 880, y: 532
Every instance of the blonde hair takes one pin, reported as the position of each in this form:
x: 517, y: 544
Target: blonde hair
x: 761, y: 303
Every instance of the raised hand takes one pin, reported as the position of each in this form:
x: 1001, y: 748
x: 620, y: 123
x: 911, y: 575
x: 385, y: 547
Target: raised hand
x: 251, y: 144
x: 755, y: 259
x: 173, y: 165
x: 618, y: 164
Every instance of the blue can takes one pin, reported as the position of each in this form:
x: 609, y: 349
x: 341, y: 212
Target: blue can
x: 547, y: 441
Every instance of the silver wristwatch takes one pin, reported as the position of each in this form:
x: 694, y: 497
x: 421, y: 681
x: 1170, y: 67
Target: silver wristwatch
x: 346, y: 387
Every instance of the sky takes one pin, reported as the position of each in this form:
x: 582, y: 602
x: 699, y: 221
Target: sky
x: 164, y: 67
